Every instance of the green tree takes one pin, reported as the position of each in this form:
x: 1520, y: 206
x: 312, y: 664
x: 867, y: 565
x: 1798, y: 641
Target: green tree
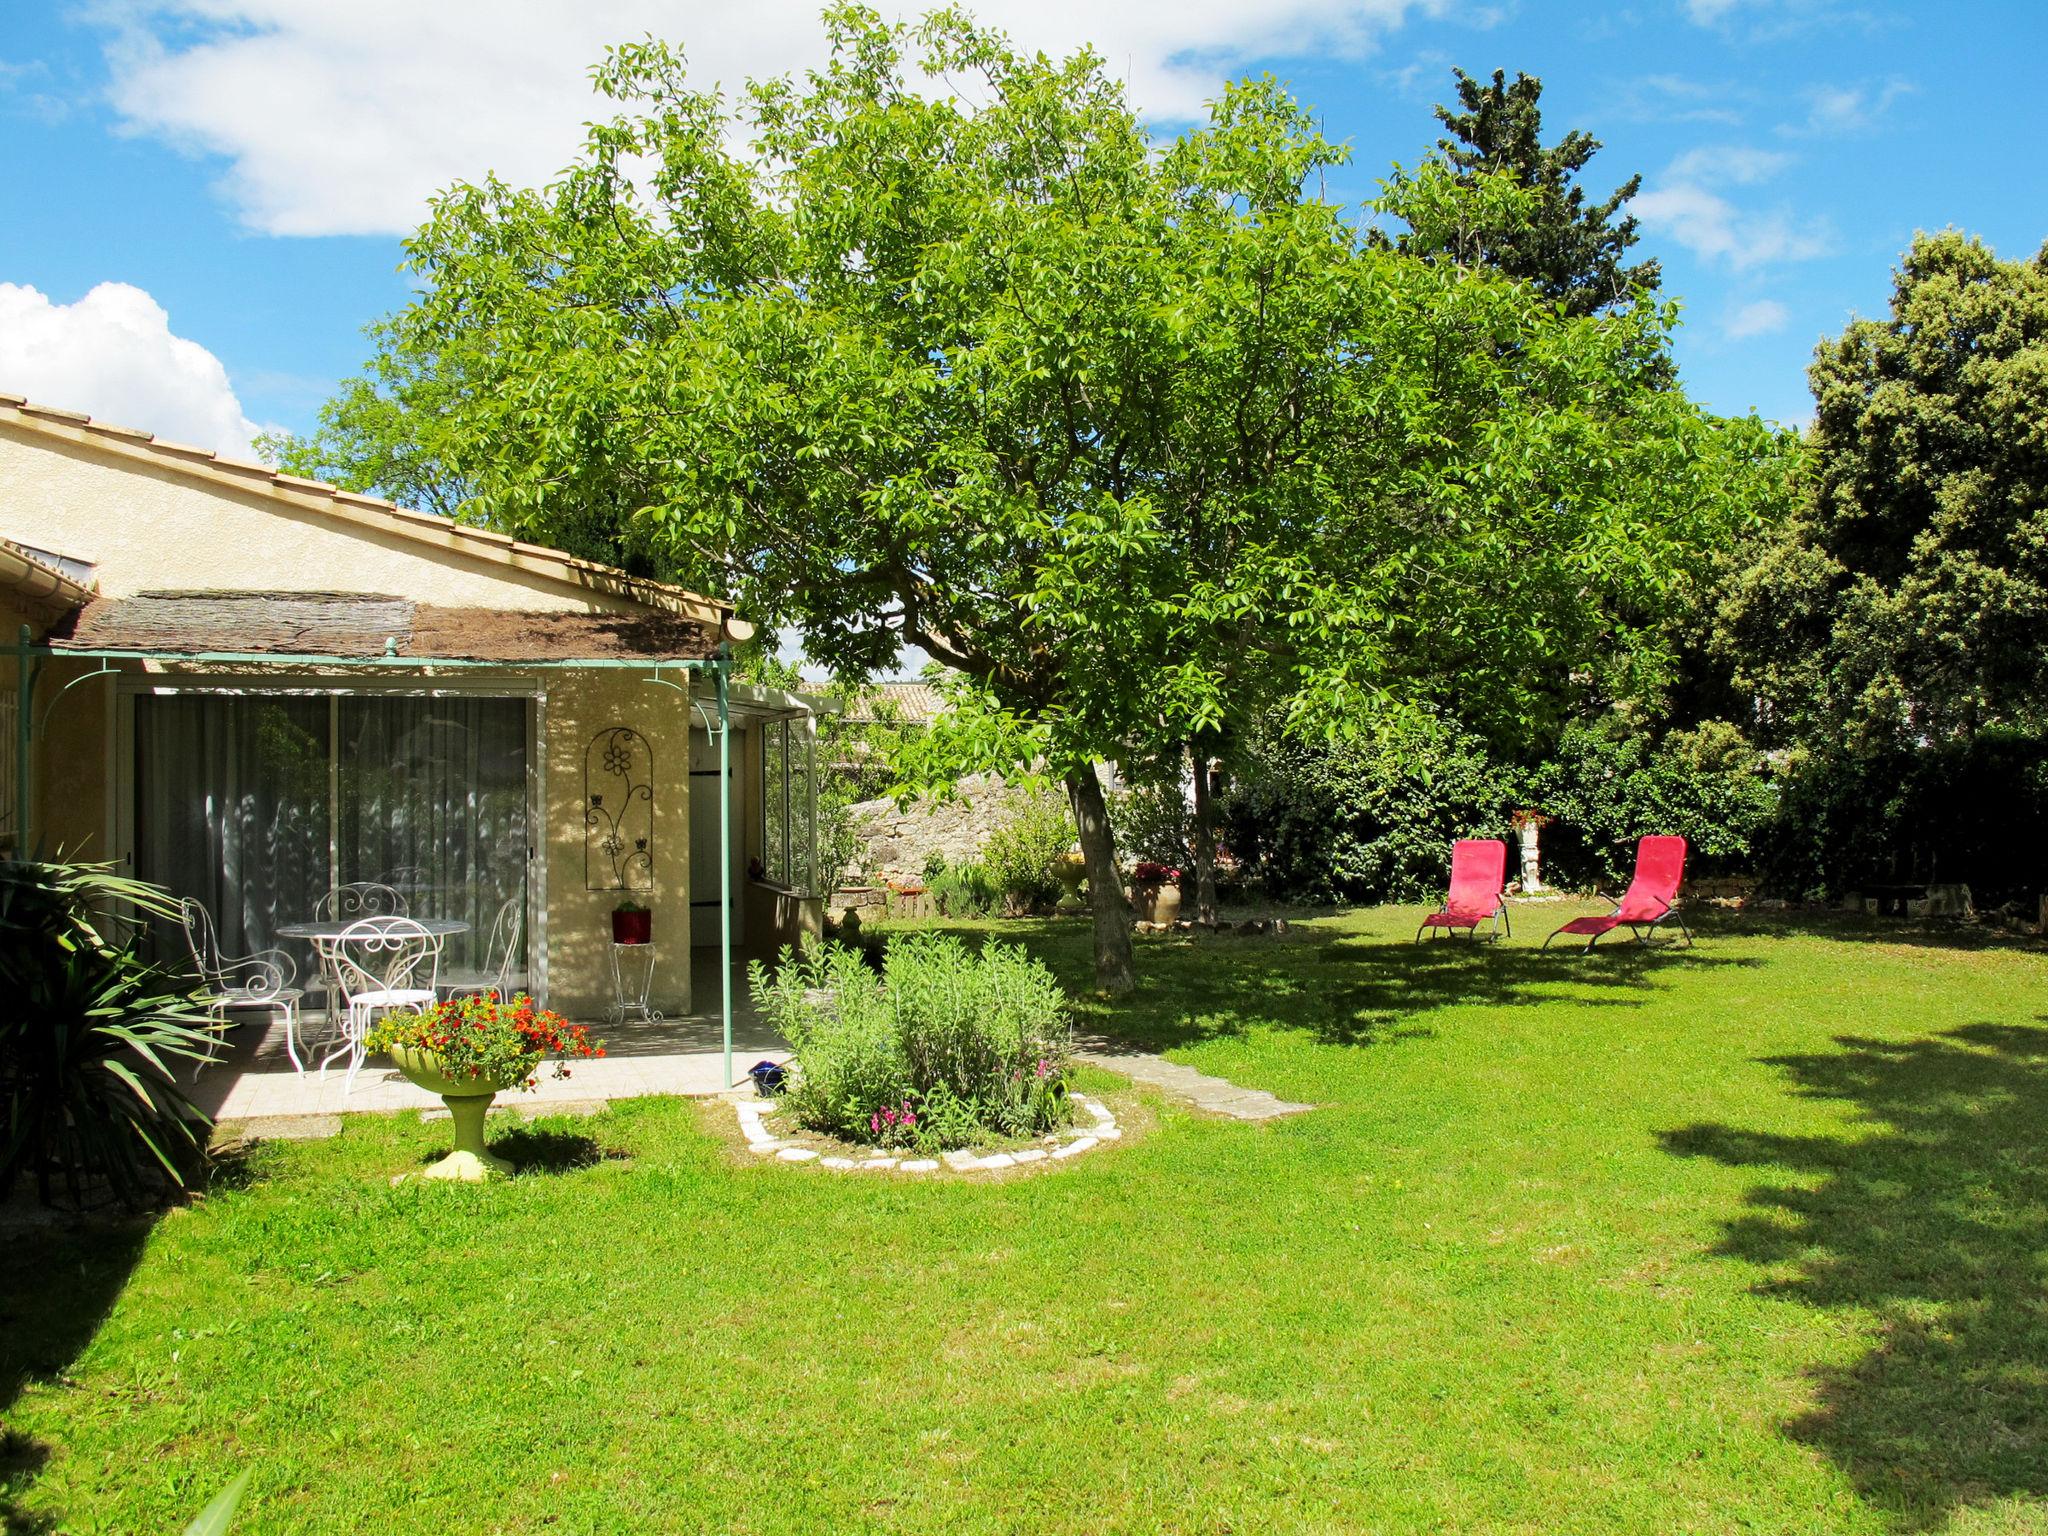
x: 1573, y: 251
x: 1908, y: 601
x: 1127, y: 435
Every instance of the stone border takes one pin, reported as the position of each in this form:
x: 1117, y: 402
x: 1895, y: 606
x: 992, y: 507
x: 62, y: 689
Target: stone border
x: 1071, y: 1142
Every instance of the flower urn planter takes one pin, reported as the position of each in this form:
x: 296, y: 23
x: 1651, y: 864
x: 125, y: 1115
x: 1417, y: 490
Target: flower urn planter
x: 1070, y: 869
x: 468, y: 1101
x: 1157, y: 903
x: 632, y: 925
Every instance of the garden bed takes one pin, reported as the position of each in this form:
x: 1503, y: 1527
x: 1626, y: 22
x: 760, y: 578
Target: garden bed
x: 1095, y: 1124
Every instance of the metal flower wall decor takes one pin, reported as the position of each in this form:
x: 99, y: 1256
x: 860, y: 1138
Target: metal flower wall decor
x: 618, y: 811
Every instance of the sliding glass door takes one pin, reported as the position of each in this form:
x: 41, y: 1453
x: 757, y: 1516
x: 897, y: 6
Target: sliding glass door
x: 259, y: 804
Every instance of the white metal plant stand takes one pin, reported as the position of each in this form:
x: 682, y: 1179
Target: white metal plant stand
x: 633, y: 984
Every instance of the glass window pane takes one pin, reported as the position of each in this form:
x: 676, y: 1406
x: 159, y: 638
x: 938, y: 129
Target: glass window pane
x: 432, y: 802
x: 774, y: 783
x: 231, y: 807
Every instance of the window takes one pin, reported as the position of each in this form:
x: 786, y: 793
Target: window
x: 258, y: 804
x: 789, y: 803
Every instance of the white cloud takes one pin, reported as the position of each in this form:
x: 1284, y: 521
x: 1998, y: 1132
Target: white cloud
x: 1836, y: 110
x: 112, y: 355
x: 1714, y: 229
x: 1759, y: 318
x: 1674, y: 99
x: 344, y: 118
x: 1683, y: 204
x: 1727, y: 164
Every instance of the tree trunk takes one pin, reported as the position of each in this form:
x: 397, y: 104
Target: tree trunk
x: 1205, y: 838
x: 1113, y: 971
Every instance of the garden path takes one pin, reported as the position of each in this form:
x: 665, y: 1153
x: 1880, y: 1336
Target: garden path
x: 1214, y: 1094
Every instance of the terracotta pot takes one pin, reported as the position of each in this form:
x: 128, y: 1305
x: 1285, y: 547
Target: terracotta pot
x: 633, y: 927
x: 1156, y: 903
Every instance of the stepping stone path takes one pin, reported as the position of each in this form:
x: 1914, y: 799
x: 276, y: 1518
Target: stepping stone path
x: 1185, y: 1083
x: 1100, y: 1126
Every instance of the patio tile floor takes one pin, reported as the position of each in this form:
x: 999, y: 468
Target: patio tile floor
x: 254, y: 1079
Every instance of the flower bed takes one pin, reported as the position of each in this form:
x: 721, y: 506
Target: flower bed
x: 944, y: 1048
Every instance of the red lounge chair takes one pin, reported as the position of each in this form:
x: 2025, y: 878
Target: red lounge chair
x: 1479, y: 867
x: 1651, y: 897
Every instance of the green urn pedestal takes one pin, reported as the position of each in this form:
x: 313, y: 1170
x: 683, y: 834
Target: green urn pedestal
x: 1070, y: 869
x: 468, y: 1101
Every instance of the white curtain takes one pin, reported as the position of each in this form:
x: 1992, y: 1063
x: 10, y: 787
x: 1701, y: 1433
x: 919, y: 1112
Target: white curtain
x: 432, y: 801
x: 236, y: 804
x: 231, y: 807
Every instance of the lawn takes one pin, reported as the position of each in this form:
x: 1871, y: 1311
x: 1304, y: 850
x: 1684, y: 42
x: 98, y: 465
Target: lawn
x: 1752, y: 1238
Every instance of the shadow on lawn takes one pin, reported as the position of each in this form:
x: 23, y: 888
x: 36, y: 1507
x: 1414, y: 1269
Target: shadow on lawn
x: 1936, y: 1221
x: 57, y: 1285
x: 1348, y: 989
x: 1865, y: 928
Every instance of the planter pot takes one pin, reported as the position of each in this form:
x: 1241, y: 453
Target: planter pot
x: 1070, y: 869
x: 1156, y: 903
x: 633, y: 927
x: 468, y: 1101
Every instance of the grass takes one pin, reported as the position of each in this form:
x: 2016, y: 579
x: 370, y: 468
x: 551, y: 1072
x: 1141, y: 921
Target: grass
x: 1746, y: 1239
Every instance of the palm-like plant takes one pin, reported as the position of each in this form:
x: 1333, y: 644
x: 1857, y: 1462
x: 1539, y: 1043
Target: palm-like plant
x: 90, y: 1037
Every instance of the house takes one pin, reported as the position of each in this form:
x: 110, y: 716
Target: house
x: 253, y: 688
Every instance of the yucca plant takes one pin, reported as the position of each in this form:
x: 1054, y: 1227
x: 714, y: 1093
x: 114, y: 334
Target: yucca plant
x: 91, y: 1036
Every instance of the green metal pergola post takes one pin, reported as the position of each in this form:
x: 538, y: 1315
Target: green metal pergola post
x: 24, y: 715
x: 721, y: 680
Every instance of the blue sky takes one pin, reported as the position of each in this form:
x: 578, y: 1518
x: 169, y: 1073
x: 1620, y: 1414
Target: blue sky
x: 243, y: 168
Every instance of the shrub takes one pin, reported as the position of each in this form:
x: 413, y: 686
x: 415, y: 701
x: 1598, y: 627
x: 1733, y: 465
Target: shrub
x: 90, y: 1036
x: 1972, y: 810
x: 1362, y: 821
x: 963, y: 890
x: 1605, y: 790
x: 944, y: 1047
x: 1152, y: 822
x: 1019, y: 854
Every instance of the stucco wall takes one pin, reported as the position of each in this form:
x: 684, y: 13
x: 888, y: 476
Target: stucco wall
x: 148, y: 525
x: 579, y: 706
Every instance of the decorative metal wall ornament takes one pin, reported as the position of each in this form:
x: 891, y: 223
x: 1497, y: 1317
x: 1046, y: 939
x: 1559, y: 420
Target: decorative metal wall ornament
x: 618, y: 811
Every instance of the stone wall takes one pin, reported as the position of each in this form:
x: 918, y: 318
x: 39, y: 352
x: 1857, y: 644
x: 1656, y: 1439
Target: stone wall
x: 900, y: 841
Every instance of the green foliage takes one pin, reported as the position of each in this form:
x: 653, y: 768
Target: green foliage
x: 945, y: 1046
x: 1572, y: 253
x: 1369, y: 820
x: 963, y: 890
x: 1019, y: 854
x: 1972, y: 810
x: 1153, y: 823
x: 1909, y: 602
x: 1606, y: 789
x: 90, y: 1038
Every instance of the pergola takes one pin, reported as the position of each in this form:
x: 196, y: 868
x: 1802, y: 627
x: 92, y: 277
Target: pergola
x: 32, y: 655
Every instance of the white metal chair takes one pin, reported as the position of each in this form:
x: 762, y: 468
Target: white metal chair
x: 381, y: 964
x: 359, y: 898
x: 344, y: 904
x: 262, y: 980
x: 501, y: 955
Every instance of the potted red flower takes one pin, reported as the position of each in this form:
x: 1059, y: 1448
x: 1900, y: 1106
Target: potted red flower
x: 1155, y: 892
x: 469, y: 1049
x: 632, y: 923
